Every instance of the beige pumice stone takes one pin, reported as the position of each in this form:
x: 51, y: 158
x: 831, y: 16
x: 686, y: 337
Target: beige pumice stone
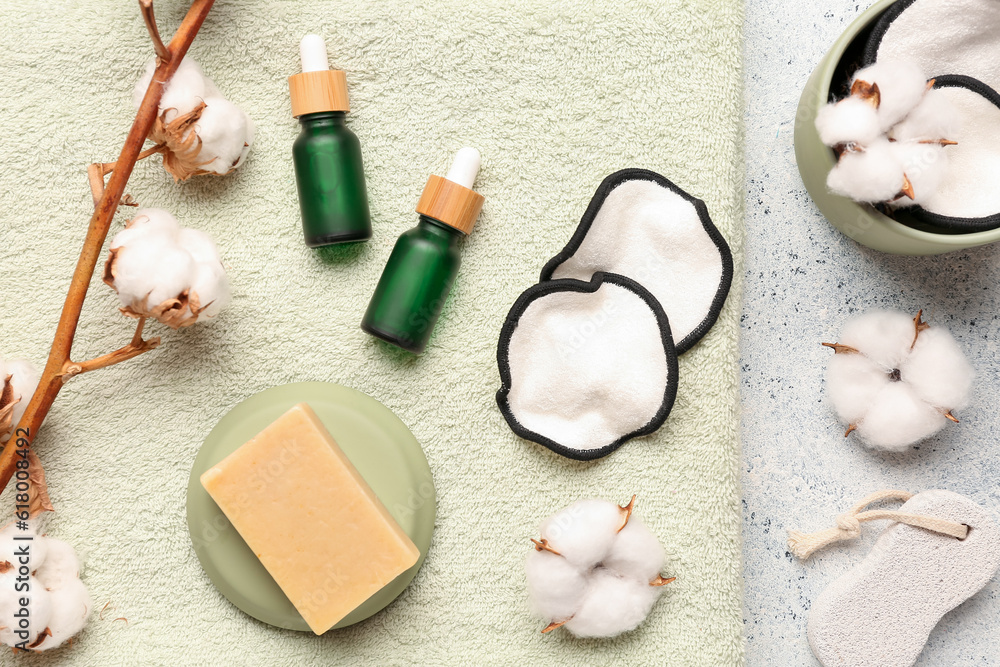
x: 881, y: 613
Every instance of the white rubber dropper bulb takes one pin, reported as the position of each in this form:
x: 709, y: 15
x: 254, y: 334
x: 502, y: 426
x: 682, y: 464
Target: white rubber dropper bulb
x: 465, y: 167
x: 312, y: 50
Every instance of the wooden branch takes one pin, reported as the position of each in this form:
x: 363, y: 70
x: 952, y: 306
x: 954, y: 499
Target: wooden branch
x: 135, y: 347
x: 108, y: 167
x: 53, y: 376
x: 95, y: 175
x: 146, y: 7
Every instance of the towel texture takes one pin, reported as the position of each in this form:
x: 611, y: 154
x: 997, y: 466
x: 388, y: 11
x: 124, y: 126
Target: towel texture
x: 556, y: 95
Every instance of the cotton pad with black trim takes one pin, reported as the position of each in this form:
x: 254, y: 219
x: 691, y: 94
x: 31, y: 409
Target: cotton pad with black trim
x: 642, y: 226
x: 586, y: 366
x: 957, y: 43
x: 941, y: 37
x: 967, y: 200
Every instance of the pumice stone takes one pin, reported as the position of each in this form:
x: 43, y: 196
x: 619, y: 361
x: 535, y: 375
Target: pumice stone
x: 881, y: 613
x: 642, y: 226
x: 586, y: 366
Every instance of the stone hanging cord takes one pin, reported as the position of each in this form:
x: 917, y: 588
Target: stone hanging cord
x: 848, y: 527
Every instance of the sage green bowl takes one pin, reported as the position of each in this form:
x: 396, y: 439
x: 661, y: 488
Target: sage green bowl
x: 379, y: 445
x: 861, y: 222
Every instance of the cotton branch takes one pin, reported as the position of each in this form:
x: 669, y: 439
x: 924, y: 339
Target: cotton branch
x: 54, y: 374
x: 135, y: 347
x: 146, y: 7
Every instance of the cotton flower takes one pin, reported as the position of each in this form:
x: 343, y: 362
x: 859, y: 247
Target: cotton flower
x: 202, y: 132
x: 900, y: 86
x: 852, y: 119
x: 167, y: 272
x: 872, y: 174
x: 933, y: 118
x: 890, y: 136
x: 925, y: 166
x: 58, y: 602
x: 895, y: 381
x: 18, y: 381
x: 595, y: 571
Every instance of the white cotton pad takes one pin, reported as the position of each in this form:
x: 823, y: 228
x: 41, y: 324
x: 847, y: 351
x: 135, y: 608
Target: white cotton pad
x: 882, y: 612
x: 941, y: 37
x: 642, y: 226
x: 967, y: 199
x: 586, y: 366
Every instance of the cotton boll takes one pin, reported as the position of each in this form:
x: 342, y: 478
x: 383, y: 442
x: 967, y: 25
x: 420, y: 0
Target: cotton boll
x: 925, y: 165
x: 884, y: 336
x: 251, y: 133
x: 150, y: 225
x: 12, y: 550
x: 211, y: 288
x: 199, y: 245
x: 148, y: 269
x: 873, y: 175
x: 71, y: 606
x: 187, y: 88
x: 592, y: 571
x: 893, y: 379
x: 898, y: 418
x: 853, y: 381
x: 223, y: 130
x: 61, y: 565
x: 23, y: 382
x: 938, y: 371
x: 584, y: 531
x: 901, y: 86
x: 153, y: 220
x: 555, y: 586
x: 851, y: 120
x: 635, y: 553
x: 165, y: 271
x: 39, y: 609
x: 934, y: 119
x: 209, y: 284
x: 612, y: 605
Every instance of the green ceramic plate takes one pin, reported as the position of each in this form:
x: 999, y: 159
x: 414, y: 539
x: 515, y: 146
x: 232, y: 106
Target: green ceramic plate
x: 377, y: 443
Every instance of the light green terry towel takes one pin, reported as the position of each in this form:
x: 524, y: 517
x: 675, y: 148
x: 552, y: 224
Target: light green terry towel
x: 556, y: 95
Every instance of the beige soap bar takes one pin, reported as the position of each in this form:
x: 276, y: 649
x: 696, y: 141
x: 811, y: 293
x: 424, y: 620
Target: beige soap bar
x: 313, y: 522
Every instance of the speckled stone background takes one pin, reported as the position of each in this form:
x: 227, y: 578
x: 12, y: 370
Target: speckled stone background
x: 803, y: 280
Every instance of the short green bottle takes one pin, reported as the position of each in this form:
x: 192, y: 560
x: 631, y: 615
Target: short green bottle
x: 327, y: 155
x: 425, y: 260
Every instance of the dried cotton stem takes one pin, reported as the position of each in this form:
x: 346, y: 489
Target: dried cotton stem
x: 54, y: 374
x: 146, y: 7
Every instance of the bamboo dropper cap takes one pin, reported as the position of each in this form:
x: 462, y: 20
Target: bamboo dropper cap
x: 318, y: 88
x: 451, y: 199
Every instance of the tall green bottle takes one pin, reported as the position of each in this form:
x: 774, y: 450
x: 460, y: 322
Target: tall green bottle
x: 425, y: 260
x: 327, y: 155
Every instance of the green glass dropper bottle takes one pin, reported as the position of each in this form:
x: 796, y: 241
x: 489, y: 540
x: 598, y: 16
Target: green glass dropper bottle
x: 327, y: 155
x: 424, y: 262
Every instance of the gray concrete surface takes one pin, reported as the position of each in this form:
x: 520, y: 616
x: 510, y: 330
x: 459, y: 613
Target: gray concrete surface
x: 803, y: 280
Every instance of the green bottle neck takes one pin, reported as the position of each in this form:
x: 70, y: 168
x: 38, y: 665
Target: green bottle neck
x: 323, y: 120
x: 438, y: 230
